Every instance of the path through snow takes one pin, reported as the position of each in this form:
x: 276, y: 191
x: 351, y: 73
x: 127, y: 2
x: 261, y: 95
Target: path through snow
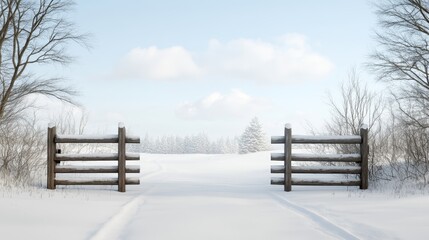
x: 210, y: 197
x: 219, y: 197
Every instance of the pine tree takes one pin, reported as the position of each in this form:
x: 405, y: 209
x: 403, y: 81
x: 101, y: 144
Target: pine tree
x: 146, y: 145
x: 253, y: 138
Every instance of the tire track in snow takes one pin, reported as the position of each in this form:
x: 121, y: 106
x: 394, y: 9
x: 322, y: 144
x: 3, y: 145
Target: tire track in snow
x: 326, y: 226
x: 112, y: 229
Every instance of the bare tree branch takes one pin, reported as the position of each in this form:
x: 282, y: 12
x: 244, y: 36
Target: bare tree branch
x: 33, y: 32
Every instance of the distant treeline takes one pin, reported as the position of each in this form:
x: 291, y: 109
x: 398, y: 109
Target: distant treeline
x: 253, y: 139
x: 199, y: 143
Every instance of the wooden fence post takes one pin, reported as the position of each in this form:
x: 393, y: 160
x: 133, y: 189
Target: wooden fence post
x: 364, y: 148
x: 121, y: 157
x: 51, y: 148
x: 288, y: 158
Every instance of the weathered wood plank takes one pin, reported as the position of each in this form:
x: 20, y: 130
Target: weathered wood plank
x: 51, y: 148
x: 95, y: 157
x: 326, y: 157
x: 364, y: 149
x: 277, y: 169
x: 277, y: 140
x: 325, y: 182
x: 308, y: 139
x: 327, y: 169
x: 112, y: 138
x: 303, y: 139
x: 288, y: 158
x: 95, y: 169
x: 316, y: 182
x: 277, y: 181
x: 100, y: 181
x: 319, y: 169
x: 122, y: 157
x: 318, y: 157
x: 277, y: 156
x: 132, y: 156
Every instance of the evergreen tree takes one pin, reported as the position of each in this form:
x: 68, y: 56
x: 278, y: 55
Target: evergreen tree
x: 146, y: 145
x: 253, y: 138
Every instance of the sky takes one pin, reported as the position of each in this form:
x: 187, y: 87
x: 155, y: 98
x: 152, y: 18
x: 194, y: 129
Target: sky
x: 188, y: 67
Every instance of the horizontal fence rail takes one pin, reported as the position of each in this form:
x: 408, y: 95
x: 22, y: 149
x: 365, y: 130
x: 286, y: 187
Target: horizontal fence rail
x: 102, y: 181
x: 304, y: 157
x: 287, y: 157
x: 302, y: 139
x: 95, y: 157
x: 316, y: 182
x: 94, y: 139
x: 94, y: 169
x: 318, y: 169
x: 55, y: 158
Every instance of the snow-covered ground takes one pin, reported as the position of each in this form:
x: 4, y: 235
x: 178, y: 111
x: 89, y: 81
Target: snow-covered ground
x: 211, y: 197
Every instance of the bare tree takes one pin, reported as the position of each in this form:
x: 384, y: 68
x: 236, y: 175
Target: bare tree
x: 31, y: 33
x: 402, y: 58
x: 356, y: 105
x: 402, y: 61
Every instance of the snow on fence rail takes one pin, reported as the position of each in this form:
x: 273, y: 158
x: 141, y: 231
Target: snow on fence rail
x: 287, y: 157
x: 55, y: 157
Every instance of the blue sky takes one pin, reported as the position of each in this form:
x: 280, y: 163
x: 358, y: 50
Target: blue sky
x: 184, y: 67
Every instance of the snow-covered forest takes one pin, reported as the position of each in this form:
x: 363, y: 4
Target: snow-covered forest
x: 253, y: 139
x: 199, y: 143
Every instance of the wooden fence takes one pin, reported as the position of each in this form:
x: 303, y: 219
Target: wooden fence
x: 55, y: 156
x: 287, y: 157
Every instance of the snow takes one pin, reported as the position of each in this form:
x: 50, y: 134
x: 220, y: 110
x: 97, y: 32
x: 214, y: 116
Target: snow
x: 198, y: 196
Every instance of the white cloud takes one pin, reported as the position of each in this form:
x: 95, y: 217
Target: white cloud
x: 235, y: 104
x: 286, y: 59
x: 157, y: 64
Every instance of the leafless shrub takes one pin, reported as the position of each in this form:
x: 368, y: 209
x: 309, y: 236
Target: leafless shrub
x: 356, y: 105
x: 22, y: 148
x: 73, y: 120
x: 416, y: 154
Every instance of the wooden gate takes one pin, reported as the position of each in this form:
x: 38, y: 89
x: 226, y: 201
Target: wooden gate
x: 361, y: 160
x: 55, y: 156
